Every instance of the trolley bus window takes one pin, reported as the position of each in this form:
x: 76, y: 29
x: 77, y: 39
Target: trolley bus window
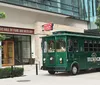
x: 75, y: 44
x: 60, y: 46
x: 45, y: 46
x: 95, y: 46
x: 70, y: 45
x: 99, y: 46
x: 51, y: 46
x: 90, y: 46
x: 86, y: 46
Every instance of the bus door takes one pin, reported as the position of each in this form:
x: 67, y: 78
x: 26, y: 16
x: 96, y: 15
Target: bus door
x: 73, y: 50
x: 51, y: 51
x: 61, y: 50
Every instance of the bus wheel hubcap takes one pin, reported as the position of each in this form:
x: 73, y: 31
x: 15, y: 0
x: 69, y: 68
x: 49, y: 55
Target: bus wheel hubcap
x: 74, y: 70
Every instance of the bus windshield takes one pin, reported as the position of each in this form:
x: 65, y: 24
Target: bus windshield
x: 51, y: 46
x: 60, y: 46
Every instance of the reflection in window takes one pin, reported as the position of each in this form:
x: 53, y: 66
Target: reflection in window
x: 26, y: 51
x: 51, y: 46
x: 60, y: 46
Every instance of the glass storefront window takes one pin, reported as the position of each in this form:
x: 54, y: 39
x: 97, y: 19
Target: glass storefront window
x: 17, y: 38
x: 26, y: 51
x: 22, y: 48
x: 60, y: 46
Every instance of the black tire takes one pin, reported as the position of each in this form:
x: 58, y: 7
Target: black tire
x: 74, y: 70
x: 98, y: 69
x: 51, y: 72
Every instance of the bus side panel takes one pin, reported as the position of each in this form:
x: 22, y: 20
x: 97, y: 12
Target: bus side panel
x: 77, y: 56
x: 94, y: 63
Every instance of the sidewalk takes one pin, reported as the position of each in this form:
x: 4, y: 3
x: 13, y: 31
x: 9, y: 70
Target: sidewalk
x: 29, y: 69
x: 43, y: 78
x: 29, y: 77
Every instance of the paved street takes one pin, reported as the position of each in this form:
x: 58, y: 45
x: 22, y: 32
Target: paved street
x: 30, y: 78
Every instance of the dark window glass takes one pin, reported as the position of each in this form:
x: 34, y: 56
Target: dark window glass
x: 95, y: 46
x: 85, y: 45
x: 99, y: 46
x: 75, y: 44
x: 70, y: 44
x: 90, y: 46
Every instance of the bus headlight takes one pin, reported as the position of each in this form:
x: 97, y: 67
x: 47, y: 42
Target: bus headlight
x: 51, y: 58
x: 44, y: 59
x: 60, y: 59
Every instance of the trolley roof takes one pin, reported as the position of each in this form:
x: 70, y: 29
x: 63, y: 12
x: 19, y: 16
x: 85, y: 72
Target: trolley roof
x: 75, y: 34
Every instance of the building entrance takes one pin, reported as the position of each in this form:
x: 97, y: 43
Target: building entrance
x: 8, y: 53
x: 16, y: 50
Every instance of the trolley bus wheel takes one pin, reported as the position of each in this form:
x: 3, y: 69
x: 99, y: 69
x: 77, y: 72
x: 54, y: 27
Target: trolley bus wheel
x: 74, y: 69
x: 51, y: 72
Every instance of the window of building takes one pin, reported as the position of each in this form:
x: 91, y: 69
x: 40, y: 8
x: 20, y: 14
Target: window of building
x: 22, y: 45
x: 26, y: 52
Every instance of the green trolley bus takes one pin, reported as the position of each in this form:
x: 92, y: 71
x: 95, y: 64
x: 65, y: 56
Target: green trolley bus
x: 70, y: 52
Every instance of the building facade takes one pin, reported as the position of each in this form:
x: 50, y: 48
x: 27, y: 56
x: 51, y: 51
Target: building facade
x: 24, y: 19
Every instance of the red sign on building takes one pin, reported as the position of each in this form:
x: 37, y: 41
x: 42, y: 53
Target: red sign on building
x: 16, y: 30
x: 47, y: 27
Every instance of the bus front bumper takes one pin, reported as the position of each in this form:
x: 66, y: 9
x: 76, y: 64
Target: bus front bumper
x: 60, y: 69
